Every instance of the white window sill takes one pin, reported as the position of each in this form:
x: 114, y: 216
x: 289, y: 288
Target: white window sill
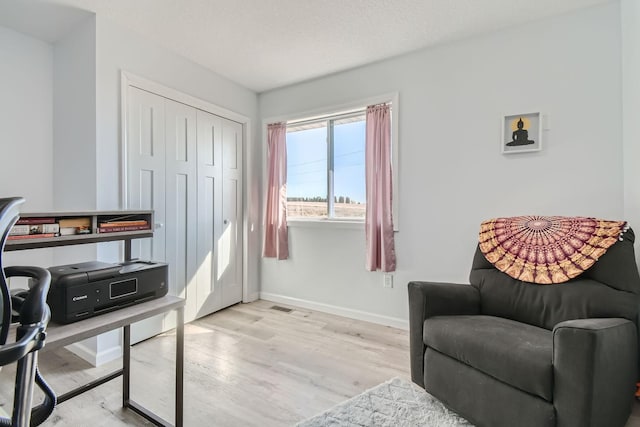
x: 322, y: 223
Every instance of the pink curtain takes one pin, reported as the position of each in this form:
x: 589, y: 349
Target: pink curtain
x: 381, y: 253
x: 276, y: 239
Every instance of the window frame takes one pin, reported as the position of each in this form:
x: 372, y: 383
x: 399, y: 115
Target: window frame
x: 329, y: 122
x: 325, y: 113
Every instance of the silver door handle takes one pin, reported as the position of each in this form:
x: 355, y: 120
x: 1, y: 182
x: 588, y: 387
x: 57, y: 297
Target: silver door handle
x: 158, y: 225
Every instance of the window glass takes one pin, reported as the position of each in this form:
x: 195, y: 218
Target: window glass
x: 326, y: 167
x: 348, y: 167
x: 307, y: 171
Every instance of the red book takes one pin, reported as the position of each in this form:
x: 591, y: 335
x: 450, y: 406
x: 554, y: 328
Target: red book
x: 31, y: 236
x: 123, y: 228
x: 123, y: 223
x: 36, y: 220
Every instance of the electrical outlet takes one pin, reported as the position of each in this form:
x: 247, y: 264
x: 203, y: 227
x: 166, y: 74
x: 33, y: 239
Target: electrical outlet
x: 388, y: 281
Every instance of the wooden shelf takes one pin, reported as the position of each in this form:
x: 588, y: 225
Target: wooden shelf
x: 96, y: 217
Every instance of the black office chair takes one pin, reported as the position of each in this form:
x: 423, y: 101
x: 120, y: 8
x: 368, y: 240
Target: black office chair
x: 30, y: 311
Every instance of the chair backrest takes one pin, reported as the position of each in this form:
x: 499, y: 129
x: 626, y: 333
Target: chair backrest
x: 610, y: 288
x: 9, y: 213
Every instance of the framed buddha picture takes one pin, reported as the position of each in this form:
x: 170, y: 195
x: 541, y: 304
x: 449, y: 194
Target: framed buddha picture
x: 521, y: 133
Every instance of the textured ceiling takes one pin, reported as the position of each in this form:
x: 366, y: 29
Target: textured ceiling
x: 265, y: 44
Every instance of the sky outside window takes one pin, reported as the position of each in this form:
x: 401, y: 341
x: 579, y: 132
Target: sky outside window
x: 349, y: 160
x: 307, y: 172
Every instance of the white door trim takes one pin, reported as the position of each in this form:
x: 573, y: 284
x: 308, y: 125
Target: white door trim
x: 129, y: 79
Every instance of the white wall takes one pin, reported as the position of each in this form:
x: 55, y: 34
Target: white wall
x: 74, y: 130
x: 630, y: 15
x: 121, y: 49
x: 95, y: 54
x: 26, y: 119
x: 26, y: 129
x: 74, y: 104
x: 61, y: 104
x: 451, y: 173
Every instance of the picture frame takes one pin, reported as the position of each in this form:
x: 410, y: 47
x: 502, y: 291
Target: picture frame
x: 521, y: 133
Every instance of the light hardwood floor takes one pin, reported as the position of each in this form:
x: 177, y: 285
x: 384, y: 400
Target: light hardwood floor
x: 248, y: 365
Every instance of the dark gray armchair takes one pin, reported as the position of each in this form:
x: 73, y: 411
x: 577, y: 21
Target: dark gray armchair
x: 503, y: 352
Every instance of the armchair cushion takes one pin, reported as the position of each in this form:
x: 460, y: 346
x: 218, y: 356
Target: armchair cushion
x: 512, y: 352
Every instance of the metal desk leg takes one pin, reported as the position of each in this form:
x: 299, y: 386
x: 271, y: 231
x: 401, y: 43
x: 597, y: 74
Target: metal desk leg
x: 179, y: 366
x: 126, y: 364
x: 25, y: 375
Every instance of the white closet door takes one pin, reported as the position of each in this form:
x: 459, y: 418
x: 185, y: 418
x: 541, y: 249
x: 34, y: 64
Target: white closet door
x: 219, y: 213
x: 186, y: 165
x: 181, y: 226
x: 146, y: 182
x: 209, y: 297
x: 146, y: 167
x: 230, y: 246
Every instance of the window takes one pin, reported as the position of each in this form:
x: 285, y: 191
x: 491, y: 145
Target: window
x: 326, y: 167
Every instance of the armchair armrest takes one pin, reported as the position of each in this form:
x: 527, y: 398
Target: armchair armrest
x: 595, y: 370
x: 428, y: 299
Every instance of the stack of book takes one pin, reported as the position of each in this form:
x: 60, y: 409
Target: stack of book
x: 123, y: 225
x: 34, y: 228
x: 78, y: 225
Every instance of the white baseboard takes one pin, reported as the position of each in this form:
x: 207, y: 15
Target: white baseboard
x: 108, y: 355
x: 254, y: 296
x: 395, y: 322
x: 96, y: 359
x: 83, y: 352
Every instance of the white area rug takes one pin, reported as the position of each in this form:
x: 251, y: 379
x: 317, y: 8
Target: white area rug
x: 394, y: 403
